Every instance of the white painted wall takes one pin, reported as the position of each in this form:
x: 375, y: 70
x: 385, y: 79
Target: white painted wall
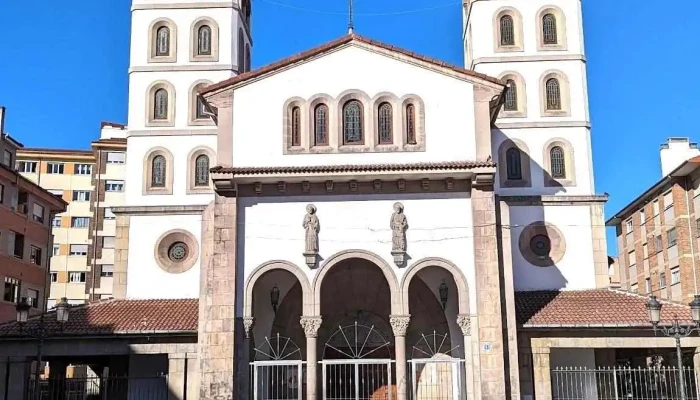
x: 439, y: 226
x: 676, y: 151
x: 145, y: 279
x: 575, y: 270
x: 449, y: 105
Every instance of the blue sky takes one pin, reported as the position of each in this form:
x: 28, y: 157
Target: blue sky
x: 64, y: 70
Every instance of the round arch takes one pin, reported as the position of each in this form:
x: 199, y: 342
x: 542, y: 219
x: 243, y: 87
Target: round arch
x: 271, y: 266
x: 396, y: 305
x: 457, y: 275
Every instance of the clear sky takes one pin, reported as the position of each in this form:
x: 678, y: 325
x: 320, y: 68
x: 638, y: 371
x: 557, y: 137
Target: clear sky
x: 63, y: 69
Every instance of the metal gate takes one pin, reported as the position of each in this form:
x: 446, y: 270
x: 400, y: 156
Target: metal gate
x: 278, y: 371
x: 435, y: 372
x: 357, y: 373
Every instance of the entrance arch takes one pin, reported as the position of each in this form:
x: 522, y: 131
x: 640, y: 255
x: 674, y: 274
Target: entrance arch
x: 271, y: 266
x: 457, y: 275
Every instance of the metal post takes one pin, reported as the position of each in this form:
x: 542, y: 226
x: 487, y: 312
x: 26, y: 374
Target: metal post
x: 679, y: 355
x: 37, y: 387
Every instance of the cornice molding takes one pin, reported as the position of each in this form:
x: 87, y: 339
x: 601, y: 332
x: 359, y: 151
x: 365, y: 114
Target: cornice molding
x: 180, y: 68
x: 542, y: 124
x: 159, y: 210
x: 185, y: 5
x: 563, y: 200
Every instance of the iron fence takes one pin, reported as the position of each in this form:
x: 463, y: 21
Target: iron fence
x: 622, y: 383
x: 436, y: 379
x: 358, y: 379
x: 278, y: 380
x: 100, y: 388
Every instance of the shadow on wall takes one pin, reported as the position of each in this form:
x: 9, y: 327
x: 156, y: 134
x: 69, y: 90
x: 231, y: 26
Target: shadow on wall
x: 537, y: 246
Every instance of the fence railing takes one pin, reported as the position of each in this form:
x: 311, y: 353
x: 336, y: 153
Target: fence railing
x: 621, y: 383
x: 436, y: 379
x: 100, y: 388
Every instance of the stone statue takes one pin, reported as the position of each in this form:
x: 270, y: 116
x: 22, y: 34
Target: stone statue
x: 312, y: 227
x: 399, y: 226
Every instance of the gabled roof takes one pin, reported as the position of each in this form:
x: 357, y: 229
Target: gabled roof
x: 316, y: 51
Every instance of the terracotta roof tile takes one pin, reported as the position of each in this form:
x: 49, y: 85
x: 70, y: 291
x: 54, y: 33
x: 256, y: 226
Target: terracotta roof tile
x: 447, y: 165
x: 588, y: 308
x: 120, y: 317
x: 333, y: 44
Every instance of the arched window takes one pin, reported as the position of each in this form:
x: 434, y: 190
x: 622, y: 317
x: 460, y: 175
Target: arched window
x: 201, y: 171
x: 204, y: 41
x: 158, y: 171
x: 296, y: 126
x: 410, y: 124
x: 321, y: 125
x: 163, y: 41
x: 549, y: 29
x: 513, y: 166
x: 160, y: 104
x: 240, y: 49
x: 507, y: 31
x: 511, y: 101
x: 557, y: 162
x: 384, y: 122
x: 353, y: 132
x: 553, y: 94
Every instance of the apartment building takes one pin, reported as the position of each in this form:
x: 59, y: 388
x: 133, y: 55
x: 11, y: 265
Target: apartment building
x: 90, y: 181
x: 657, y: 233
x: 26, y: 212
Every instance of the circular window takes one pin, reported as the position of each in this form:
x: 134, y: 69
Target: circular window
x: 176, y: 251
x: 541, y: 246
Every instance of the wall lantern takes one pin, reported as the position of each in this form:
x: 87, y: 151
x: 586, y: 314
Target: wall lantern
x: 443, y: 294
x: 274, y: 297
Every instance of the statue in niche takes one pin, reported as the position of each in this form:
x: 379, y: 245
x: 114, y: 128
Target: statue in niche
x: 312, y: 226
x: 399, y: 226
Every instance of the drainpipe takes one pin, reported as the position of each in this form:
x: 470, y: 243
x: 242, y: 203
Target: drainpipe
x: 690, y: 232
x: 95, y: 216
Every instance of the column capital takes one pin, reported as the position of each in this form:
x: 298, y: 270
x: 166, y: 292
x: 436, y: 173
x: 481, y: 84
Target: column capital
x: 311, y: 324
x: 399, y: 324
x: 248, y: 325
x: 464, y: 321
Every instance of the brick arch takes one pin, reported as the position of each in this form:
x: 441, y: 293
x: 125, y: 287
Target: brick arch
x: 396, y: 306
x: 457, y: 275
x: 271, y: 266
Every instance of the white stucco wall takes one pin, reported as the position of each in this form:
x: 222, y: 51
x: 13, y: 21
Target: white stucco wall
x: 145, y: 279
x: 449, y: 117
x: 575, y: 270
x: 439, y: 226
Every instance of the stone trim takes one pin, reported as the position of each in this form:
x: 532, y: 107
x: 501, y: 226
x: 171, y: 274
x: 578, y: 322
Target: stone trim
x: 543, y: 124
x: 564, y: 93
x: 457, y: 275
x: 399, y: 324
x: 194, y: 40
x: 520, y: 93
x: 569, y: 164
x: 600, y: 247
x: 387, y: 270
x: 311, y: 325
x: 557, y: 243
x: 277, y: 265
x: 162, y: 248
x: 121, y: 256
x: 192, y: 105
x: 150, y: 103
x: 517, y: 30
x: 179, y: 68
x: 351, y: 187
x: 534, y: 58
x: 159, y: 210
x: 192, y: 169
x: 561, y: 29
x: 185, y: 5
x: 558, y: 200
x: 526, y: 180
x: 147, y: 188
x: 172, y: 46
x: 175, y: 132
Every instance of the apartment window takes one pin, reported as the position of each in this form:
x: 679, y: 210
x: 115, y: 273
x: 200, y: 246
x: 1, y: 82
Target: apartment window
x: 56, y: 249
x: 675, y: 276
x: 26, y: 166
x: 35, y: 255
x: 662, y: 280
x: 632, y: 257
x: 80, y: 222
x: 76, y: 277
x: 108, y: 242
x: 81, y: 195
x: 672, y: 237
x: 668, y: 207
x: 54, y: 168
x: 107, y: 271
x: 696, y: 198
x: 114, y: 186
x: 38, y: 212
x: 18, y: 248
x: 83, y: 169
x: 78, y: 250
x: 659, y: 244
x: 7, y: 159
x: 647, y: 285
x: 22, y: 199
x: 11, y: 290
x: 655, y: 207
x: 628, y: 226
x: 642, y: 217
x: 54, y: 277
x: 645, y: 250
x: 56, y: 222
x: 109, y: 214
x: 33, y: 298
x: 114, y: 157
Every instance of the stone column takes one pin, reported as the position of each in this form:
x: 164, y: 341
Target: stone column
x: 176, y: 376
x: 121, y: 255
x: 311, y: 324
x: 399, y: 324
x: 541, y: 373
x: 244, y: 386
x: 465, y: 324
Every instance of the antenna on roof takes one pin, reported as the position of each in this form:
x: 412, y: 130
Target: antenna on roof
x: 351, y: 26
